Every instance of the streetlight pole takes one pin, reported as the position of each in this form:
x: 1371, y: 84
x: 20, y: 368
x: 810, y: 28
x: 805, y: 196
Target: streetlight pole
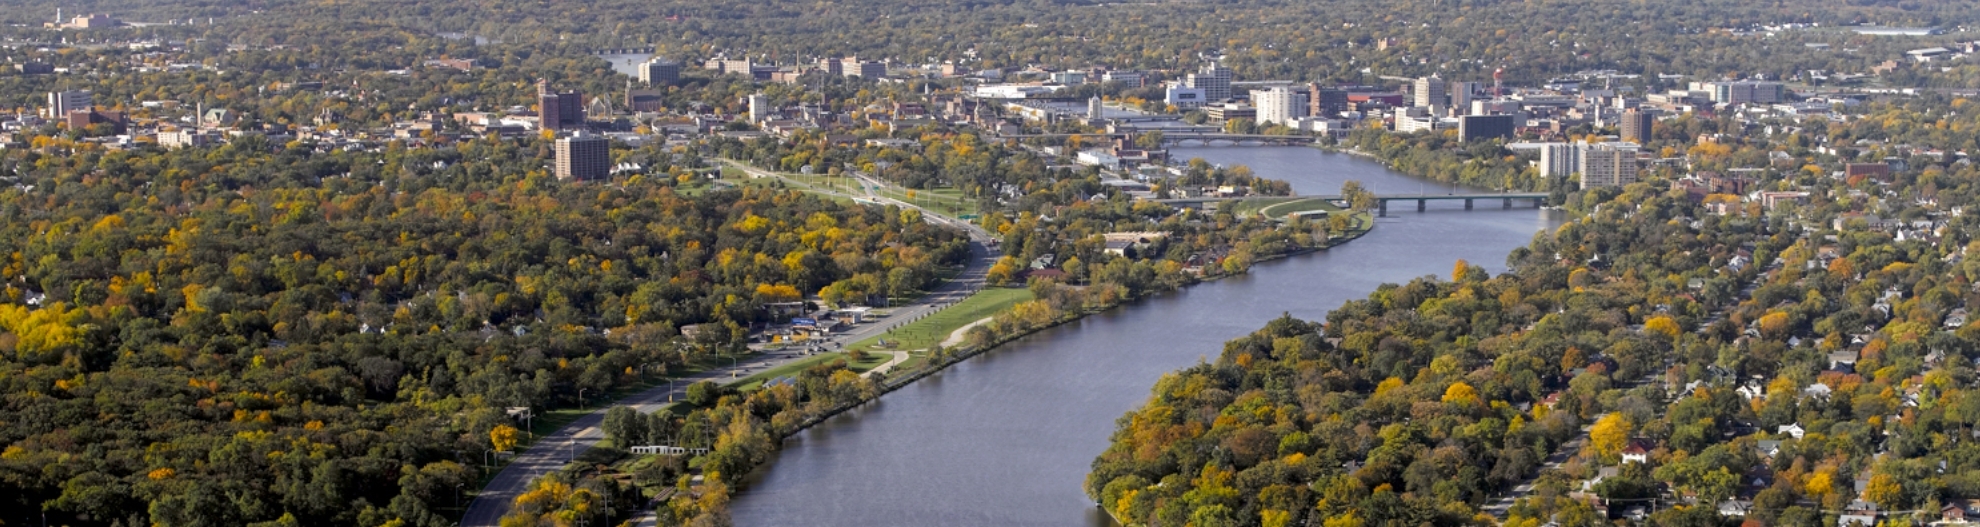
x: 581, y: 398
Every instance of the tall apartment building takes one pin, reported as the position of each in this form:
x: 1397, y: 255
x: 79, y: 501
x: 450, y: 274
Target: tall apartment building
x: 1636, y: 125
x: 1214, y: 80
x: 1326, y: 102
x: 1278, y: 105
x: 1559, y: 159
x: 60, y: 103
x: 1607, y: 164
x: 1429, y: 93
x: 1600, y: 164
x: 660, y: 71
x: 583, y: 157
x: 558, y: 111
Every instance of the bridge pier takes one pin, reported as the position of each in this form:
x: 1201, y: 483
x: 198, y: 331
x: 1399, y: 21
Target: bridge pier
x: 1467, y: 203
x: 1422, y: 205
x: 1382, y: 211
x: 1508, y: 204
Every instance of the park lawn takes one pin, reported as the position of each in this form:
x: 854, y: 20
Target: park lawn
x: 1279, y: 210
x: 1248, y: 206
x: 789, y: 369
x: 927, y: 332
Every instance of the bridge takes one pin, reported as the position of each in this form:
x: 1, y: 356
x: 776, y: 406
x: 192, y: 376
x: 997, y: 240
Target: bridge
x: 1174, y: 136
x: 1538, y: 199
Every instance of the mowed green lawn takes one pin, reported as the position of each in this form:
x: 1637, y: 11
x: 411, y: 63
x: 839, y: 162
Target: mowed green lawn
x: 927, y: 332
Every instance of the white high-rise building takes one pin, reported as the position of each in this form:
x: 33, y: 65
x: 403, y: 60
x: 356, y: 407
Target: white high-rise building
x: 1611, y: 164
x: 1279, y: 105
x: 1095, y: 108
x: 759, y: 107
x: 60, y: 103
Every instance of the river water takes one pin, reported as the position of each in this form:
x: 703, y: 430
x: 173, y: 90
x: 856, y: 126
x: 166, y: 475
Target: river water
x: 1006, y: 438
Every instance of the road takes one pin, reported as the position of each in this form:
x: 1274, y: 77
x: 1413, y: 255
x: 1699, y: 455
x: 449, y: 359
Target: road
x: 1497, y: 508
x: 558, y: 448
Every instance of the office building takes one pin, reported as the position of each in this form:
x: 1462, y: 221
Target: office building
x: 1477, y: 127
x: 660, y: 72
x: 1460, y: 96
x: 853, y: 67
x: 1095, y: 108
x: 1326, y: 102
x: 1069, y: 78
x: 1606, y: 164
x: 1214, y: 80
x: 1279, y: 105
x: 1183, y: 97
x: 582, y: 156
x: 1429, y: 93
x: 724, y: 65
x: 833, y: 67
x: 1128, y: 79
x: 1636, y: 125
x: 1746, y: 92
x: 60, y: 103
x: 558, y: 111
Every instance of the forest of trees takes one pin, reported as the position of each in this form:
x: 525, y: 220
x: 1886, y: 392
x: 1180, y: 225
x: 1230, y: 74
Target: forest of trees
x: 232, y: 336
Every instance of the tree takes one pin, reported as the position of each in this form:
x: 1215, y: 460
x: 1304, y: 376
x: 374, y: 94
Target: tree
x: 1610, y: 434
x: 502, y: 437
x: 1458, y: 269
x: 1885, y: 491
x: 1662, y: 325
x: 1461, y: 394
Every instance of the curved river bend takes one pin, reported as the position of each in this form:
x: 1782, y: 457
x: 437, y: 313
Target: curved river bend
x: 1006, y: 438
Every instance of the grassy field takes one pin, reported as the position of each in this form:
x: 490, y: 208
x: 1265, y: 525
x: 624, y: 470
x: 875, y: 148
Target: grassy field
x: 927, y: 332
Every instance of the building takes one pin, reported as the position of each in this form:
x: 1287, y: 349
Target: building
x: 1326, y: 102
x: 1636, y: 125
x: 1428, y: 92
x: 183, y: 138
x: 1214, y: 80
x: 644, y: 100
x: 558, y: 111
x: 583, y: 157
x: 853, y: 67
x: 1606, y: 164
x: 93, y: 21
x: 34, y: 68
x: 1095, y: 108
x: 1184, y: 97
x: 759, y: 108
x: 1230, y: 111
x: 1461, y: 94
x: 1746, y: 92
x: 1880, y: 171
x: 60, y: 103
x: 660, y: 72
x: 1280, y: 105
x: 724, y: 65
x: 1558, y: 159
x: 1476, y: 127
x: 1069, y: 78
x: 1128, y: 79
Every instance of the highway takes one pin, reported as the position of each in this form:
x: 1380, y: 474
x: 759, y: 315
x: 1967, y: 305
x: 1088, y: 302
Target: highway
x: 560, y: 447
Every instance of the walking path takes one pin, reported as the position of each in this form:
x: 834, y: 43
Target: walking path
x: 956, y: 337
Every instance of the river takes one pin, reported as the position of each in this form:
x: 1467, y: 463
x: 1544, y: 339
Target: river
x: 1006, y: 438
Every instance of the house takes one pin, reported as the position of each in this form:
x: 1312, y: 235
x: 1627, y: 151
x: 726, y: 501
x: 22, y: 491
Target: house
x: 1858, y: 513
x: 1735, y: 508
x: 1952, y: 512
x: 1119, y: 242
x: 1752, y: 390
x: 1794, y: 430
x: 1816, y: 390
x: 1956, y: 319
x: 1638, y: 451
x: 1768, y: 447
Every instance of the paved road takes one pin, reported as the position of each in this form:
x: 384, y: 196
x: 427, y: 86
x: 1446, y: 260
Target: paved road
x: 558, y: 448
x: 1497, y: 508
